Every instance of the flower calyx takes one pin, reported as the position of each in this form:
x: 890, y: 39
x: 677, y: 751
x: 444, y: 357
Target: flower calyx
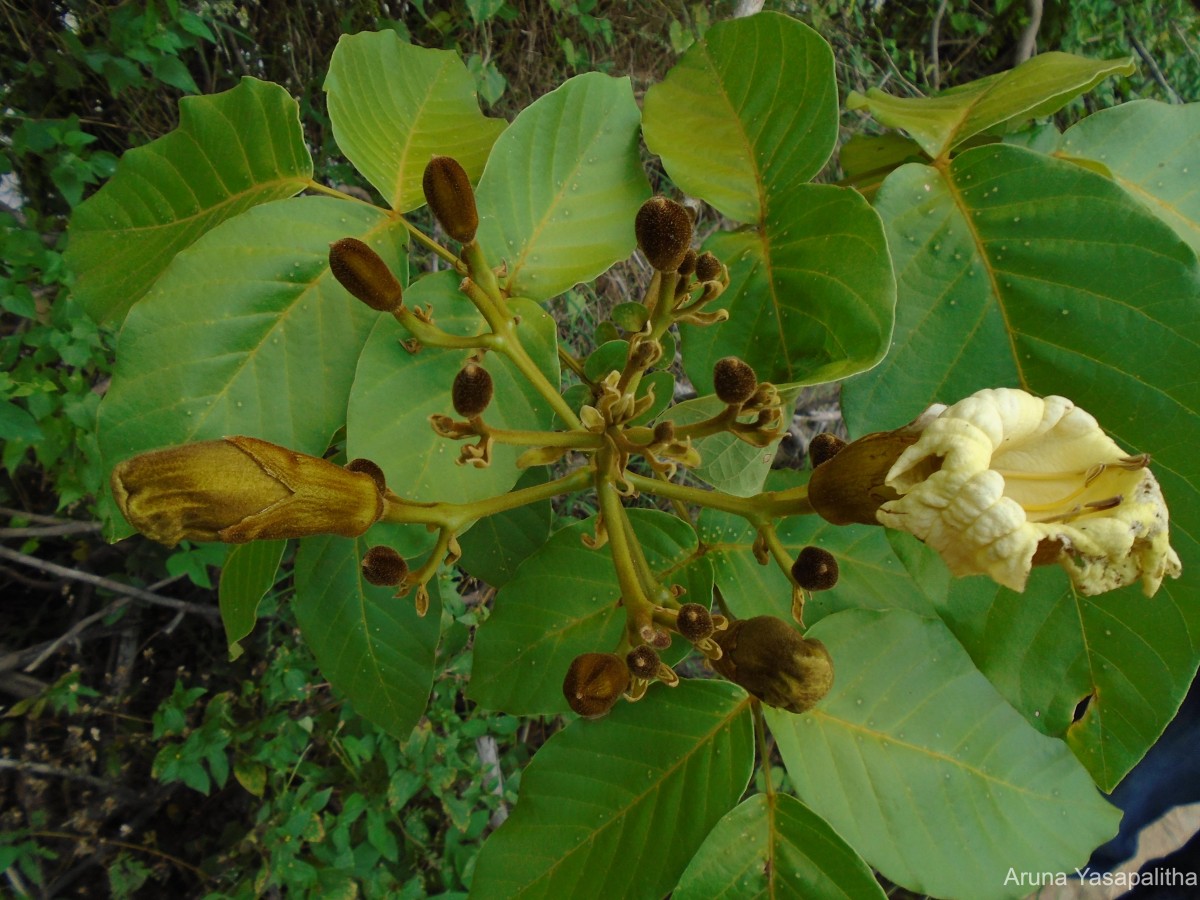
x: 595, y: 682
x: 774, y: 663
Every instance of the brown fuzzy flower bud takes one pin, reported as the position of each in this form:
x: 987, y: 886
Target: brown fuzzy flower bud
x: 815, y: 569
x: 242, y: 489
x: 643, y: 661
x: 664, y: 432
x: 664, y: 232
x: 708, y: 267
x: 773, y: 662
x: 594, y: 683
x: 734, y: 380
x: 824, y: 446
x: 362, y: 272
x: 449, y: 194
x: 694, y: 622
x: 688, y: 266
x: 368, y: 468
x: 472, y: 390
x: 383, y: 566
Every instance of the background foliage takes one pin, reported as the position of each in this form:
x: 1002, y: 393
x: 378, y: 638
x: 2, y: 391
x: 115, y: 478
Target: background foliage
x: 139, y: 705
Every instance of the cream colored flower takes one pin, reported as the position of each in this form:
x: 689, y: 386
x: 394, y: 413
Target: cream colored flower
x: 1004, y: 480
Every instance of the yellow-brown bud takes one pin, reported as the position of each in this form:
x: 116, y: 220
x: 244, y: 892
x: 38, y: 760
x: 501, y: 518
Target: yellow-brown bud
x: 449, y: 194
x: 734, y: 380
x: 815, y: 569
x: 242, y: 489
x: 383, y: 566
x: 664, y: 432
x: 824, y: 446
x: 664, y: 232
x: 688, y: 265
x: 708, y: 267
x: 773, y: 662
x: 850, y: 486
x: 643, y: 661
x: 362, y: 272
x: 472, y: 390
x: 694, y: 622
x: 594, y: 683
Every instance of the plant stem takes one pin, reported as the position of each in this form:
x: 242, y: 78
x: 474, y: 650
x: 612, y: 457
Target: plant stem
x: 759, y: 509
x: 638, y: 608
x: 578, y: 440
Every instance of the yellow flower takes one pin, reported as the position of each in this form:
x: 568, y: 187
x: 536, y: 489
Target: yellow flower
x: 1004, y: 480
x: 242, y: 489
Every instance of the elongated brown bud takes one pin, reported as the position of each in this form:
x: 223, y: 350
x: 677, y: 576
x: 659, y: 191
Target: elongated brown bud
x: 708, y: 267
x: 694, y: 622
x: 384, y: 566
x: 824, y: 446
x: 734, y: 380
x: 815, y: 569
x: 472, y: 390
x: 773, y: 662
x: 242, y: 489
x: 664, y: 232
x: 595, y: 682
x: 643, y: 661
x: 362, y: 272
x: 449, y: 194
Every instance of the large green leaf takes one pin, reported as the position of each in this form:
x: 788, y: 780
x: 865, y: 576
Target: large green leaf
x: 562, y: 187
x: 750, y: 109
x: 1037, y: 87
x: 617, y: 807
x: 395, y: 392
x: 248, y: 573
x: 870, y: 574
x: 563, y: 601
x: 393, y: 106
x: 775, y: 846
x: 811, y: 295
x: 1152, y: 150
x: 231, y: 151
x: 918, y: 762
x: 373, y: 647
x: 246, y: 333
x: 1021, y: 270
x: 495, y: 546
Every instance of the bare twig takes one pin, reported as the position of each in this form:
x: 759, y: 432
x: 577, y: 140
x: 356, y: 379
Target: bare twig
x: 1152, y: 66
x: 108, y: 584
x: 74, y: 630
x: 43, y: 769
x: 935, y: 40
x: 51, y: 530
x: 1027, y: 42
x: 45, y: 520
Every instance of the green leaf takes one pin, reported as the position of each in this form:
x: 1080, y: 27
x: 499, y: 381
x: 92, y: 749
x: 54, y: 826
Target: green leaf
x: 775, y: 846
x: 749, y: 110
x: 246, y: 333
x: 1038, y: 87
x: 393, y: 106
x: 727, y: 463
x: 1150, y: 149
x: 395, y: 392
x: 495, y: 546
x: 373, y: 647
x: 920, y: 765
x: 811, y: 295
x: 248, y: 573
x: 1016, y: 269
x: 870, y: 575
x: 16, y: 424
x: 231, y: 151
x: 563, y: 602
x: 617, y: 807
x: 562, y: 187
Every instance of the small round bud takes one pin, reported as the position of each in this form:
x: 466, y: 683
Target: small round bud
x: 664, y: 432
x: 824, y: 446
x: 594, y: 683
x: 384, y: 567
x: 472, y: 390
x: 708, y: 267
x: 694, y: 622
x: 664, y: 231
x: 815, y: 569
x: 449, y: 194
x: 362, y: 272
x: 733, y: 380
x: 688, y: 266
x: 643, y: 662
x: 770, y: 659
x: 369, y: 468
